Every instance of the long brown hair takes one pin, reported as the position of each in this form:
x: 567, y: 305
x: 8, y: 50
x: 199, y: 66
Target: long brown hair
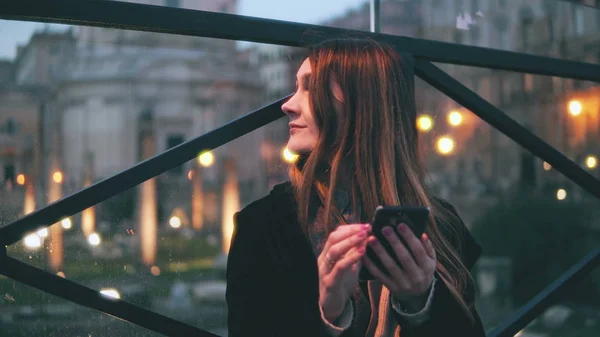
x: 373, y: 144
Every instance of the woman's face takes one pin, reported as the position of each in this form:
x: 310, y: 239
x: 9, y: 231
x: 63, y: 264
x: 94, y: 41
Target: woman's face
x: 304, y: 132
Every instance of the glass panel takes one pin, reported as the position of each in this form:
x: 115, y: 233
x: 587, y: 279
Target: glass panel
x: 162, y: 244
x: 563, y: 112
x: 125, y: 89
x: 575, y: 315
x: 101, y: 89
x: 532, y: 224
x: 543, y: 27
x: 27, y: 311
x: 126, y: 96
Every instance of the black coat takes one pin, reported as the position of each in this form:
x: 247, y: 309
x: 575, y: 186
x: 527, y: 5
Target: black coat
x: 273, y: 283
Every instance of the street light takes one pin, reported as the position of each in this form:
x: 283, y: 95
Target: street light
x: 445, y: 145
x: 206, y: 159
x: 561, y: 194
x: 175, y: 222
x: 94, y: 239
x: 57, y: 177
x: 425, y: 123
x: 455, y: 118
x: 591, y: 162
x: 575, y: 108
x: 43, y: 233
x: 66, y: 223
x: 32, y: 241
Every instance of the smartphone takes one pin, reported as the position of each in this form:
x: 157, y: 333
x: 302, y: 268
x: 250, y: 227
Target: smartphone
x: 416, y: 219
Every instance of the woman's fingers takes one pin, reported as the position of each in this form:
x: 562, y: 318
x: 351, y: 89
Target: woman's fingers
x: 416, y: 246
x: 339, y: 242
x: 353, y: 256
x: 388, y: 262
x: 339, y: 249
x: 343, y: 232
x: 402, y: 253
x: 350, y: 261
x: 428, y: 246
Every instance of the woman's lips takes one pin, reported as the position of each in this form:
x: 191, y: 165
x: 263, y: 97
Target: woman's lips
x: 295, y: 127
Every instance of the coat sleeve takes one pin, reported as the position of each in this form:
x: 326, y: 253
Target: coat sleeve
x: 447, y: 317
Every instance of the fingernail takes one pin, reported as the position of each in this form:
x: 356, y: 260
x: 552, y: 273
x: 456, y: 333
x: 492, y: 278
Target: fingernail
x: 387, y: 231
x: 373, y: 243
x: 366, y: 226
x: 425, y: 237
x: 362, y: 234
x: 402, y: 228
x: 361, y: 250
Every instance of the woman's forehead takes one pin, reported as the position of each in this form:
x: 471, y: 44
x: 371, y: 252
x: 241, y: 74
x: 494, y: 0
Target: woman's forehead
x: 305, y: 68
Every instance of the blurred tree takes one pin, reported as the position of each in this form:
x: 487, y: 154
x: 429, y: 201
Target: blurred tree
x: 543, y: 237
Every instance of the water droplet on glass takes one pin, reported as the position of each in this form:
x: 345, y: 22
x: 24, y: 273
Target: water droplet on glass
x: 9, y: 298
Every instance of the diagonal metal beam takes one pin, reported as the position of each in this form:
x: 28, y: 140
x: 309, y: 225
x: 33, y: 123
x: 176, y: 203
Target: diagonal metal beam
x: 503, y: 123
x: 579, y: 3
x: 121, y: 15
x: 549, y: 296
x: 138, y: 173
x: 87, y: 297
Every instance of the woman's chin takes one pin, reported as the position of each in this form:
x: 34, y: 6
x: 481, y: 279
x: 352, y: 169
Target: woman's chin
x: 298, y: 149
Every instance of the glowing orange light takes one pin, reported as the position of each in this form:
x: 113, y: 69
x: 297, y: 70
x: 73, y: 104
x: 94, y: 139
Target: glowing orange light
x: 547, y: 167
x: 206, y: 159
x: 575, y: 108
x: 425, y: 123
x: 288, y: 155
x: 591, y: 162
x: 21, y: 179
x: 561, y: 194
x: 445, y: 145
x: 455, y: 118
x: 57, y: 177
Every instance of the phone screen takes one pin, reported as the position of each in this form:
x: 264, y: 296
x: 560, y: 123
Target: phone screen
x: 414, y: 217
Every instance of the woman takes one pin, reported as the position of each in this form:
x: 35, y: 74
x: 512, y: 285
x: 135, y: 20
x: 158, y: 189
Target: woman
x: 296, y: 255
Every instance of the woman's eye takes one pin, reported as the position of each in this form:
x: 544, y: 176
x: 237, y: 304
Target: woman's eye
x: 306, y: 83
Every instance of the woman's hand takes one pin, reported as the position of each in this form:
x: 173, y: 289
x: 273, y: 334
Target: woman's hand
x: 339, y: 265
x: 410, y: 281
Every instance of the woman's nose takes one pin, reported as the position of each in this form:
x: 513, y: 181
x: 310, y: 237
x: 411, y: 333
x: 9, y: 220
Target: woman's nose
x: 289, y: 106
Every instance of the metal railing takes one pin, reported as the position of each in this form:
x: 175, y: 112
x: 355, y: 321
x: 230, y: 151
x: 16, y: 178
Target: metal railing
x: 112, y: 14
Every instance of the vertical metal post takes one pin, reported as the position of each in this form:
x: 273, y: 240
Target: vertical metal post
x: 375, y: 16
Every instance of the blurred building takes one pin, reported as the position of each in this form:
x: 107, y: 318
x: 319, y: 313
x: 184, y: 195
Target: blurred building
x: 540, y: 103
x: 102, y: 82
x: 26, y: 96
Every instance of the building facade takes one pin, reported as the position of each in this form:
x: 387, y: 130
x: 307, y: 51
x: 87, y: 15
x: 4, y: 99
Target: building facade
x: 103, y: 83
